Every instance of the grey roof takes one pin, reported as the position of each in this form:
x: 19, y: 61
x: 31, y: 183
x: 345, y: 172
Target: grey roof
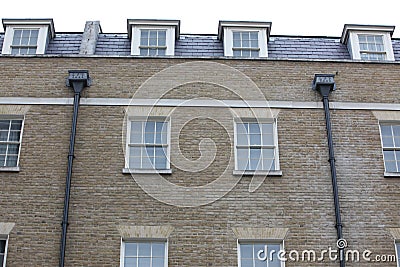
x: 65, y: 44
x: 279, y: 47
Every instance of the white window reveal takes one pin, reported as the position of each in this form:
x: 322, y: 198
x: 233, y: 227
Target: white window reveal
x: 144, y: 254
x: 398, y: 253
x: 10, y: 142
x: 27, y: 36
x: 390, y: 135
x: 3, y: 251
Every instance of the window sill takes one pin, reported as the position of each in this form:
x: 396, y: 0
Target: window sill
x: 257, y: 173
x: 391, y: 174
x: 9, y: 169
x: 146, y: 171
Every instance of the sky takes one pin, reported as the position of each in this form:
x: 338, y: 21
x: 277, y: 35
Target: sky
x: 288, y: 17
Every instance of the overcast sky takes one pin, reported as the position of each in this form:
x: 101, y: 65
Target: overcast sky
x: 288, y: 17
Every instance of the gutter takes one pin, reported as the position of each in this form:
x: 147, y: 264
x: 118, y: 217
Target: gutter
x: 78, y: 80
x: 324, y: 84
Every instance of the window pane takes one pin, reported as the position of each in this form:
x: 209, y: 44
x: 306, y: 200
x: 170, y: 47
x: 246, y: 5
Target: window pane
x: 3, y: 149
x: 12, y: 161
x: 398, y: 253
x: 144, y: 52
x: 3, y: 135
x: 390, y: 166
x: 242, y: 128
x: 13, y: 149
x: 161, y: 51
x: 387, y: 141
x: 130, y: 262
x: 152, y: 52
x: 144, y: 262
x: 2, y: 160
x: 237, y: 53
x: 158, y: 262
x: 267, y: 128
x: 130, y: 249
x: 396, y: 130
x: 246, y: 262
x: 246, y: 251
x: 245, y: 53
x: 255, y: 139
x: 160, y: 163
x: 267, y: 140
x: 4, y: 124
x: 254, y: 128
x: 16, y: 125
x: 389, y: 155
x: 14, y: 136
x: 268, y: 165
x: 144, y: 249
x: 135, y: 162
x: 242, y: 140
x: 242, y: 164
x: 2, y: 246
x: 149, y: 138
x: 158, y: 250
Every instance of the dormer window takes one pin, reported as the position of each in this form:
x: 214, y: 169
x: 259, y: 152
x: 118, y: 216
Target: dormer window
x: 153, y: 37
x: 371, y: 43
x: 244, y: 39
x: 27, y: 36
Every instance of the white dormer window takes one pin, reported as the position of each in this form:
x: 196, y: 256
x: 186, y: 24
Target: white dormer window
x: 153, y: 37
x: 245, y: 39
x: 27, y: 36
x: 372, y: 43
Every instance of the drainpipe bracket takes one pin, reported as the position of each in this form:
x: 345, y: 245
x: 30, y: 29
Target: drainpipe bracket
x: 324, y: 83
x: 78, y: 79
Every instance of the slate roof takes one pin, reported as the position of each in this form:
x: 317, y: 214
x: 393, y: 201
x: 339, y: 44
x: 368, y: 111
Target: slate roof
x: 197, y: 46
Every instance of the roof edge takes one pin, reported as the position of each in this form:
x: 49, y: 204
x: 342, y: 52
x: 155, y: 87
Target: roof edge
x: 360, y: 27
x: 30, y: 22
x: 154, y: 22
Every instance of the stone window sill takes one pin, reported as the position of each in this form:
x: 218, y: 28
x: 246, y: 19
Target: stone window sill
x: 391, y: 174
x: 146, y: 171
x: 9, y: 169
x: 257, y: 173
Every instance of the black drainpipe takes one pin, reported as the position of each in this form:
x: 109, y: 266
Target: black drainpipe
x: 77, y: 79
x: 324, y: 84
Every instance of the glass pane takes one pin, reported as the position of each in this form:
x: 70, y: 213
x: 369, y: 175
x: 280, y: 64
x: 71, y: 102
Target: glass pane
x: 242, y: 140
x: 130, y: 249
x: 245, y: 53
x: 398, y: 253
x: 242, y: 164
x: 242, y: 128
x: 16, y: 125
x: 254, y: 35
x: 158, y: 262
x: 388, y: 155
x: 161, y: 52
x: 4, y: 124
x: 158, y: 250
x: 149, y: 138
x: 2, y: 160
x: 390, y: 166
x: 268, y: 165
x: 150, y: 127
x: 267, y: 140
x: 130, y: 262
x: 396, y: 130
x: 254, y: 128
x: 268, y: 153
x: 144, y: 262
x: 136, y: 138
x: 12, y: 161
x: 259, y: 263
x: 13, y: 149
x: 246, y: 251
x: 152, y: 42
x: 135, y: 151
x: 144, y: 52
x: 255, y: 139
x: 1, y: 260
x: 237, y: 53
x: 23, y: 51
x: 246, y: 263
x: 144, y: 249
x: 136, y: 126
x: 135, y: 162
x: 2, y: 246
x: 236, y: 43
x: 243, y: 153
x: 3, y: 149
x: 387, y: 141
x: 3, y: 135
x: 267, y: 128
x: 17, y: 37
x: 14, y: 136
x: 152, y: 52
x: 236, y: 35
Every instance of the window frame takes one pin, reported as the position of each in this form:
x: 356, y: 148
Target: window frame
x: 241, y: 48
x: 277, y: 171
x: 394, y: 148
x: 3, y: 237
x: 142, y: 240
x: 371, y: 52
x: 46, y: 32
x: 260, y: 242
x: 156, y: 47
x: 127, y: 169
x: 14, y: 117
x: 397, y: 250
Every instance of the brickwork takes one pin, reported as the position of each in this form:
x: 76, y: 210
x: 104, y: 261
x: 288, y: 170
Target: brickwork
x: 103, y: 198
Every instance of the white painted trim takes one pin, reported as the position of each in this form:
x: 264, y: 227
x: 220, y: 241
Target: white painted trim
x: 170, y: 38
x: 197, y: 103
x: 5, y: 251
x: 397, y: 251
x: 123, y: 241
x: 43, y: 38
x: 262, y: 40
x: 354, y: 45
